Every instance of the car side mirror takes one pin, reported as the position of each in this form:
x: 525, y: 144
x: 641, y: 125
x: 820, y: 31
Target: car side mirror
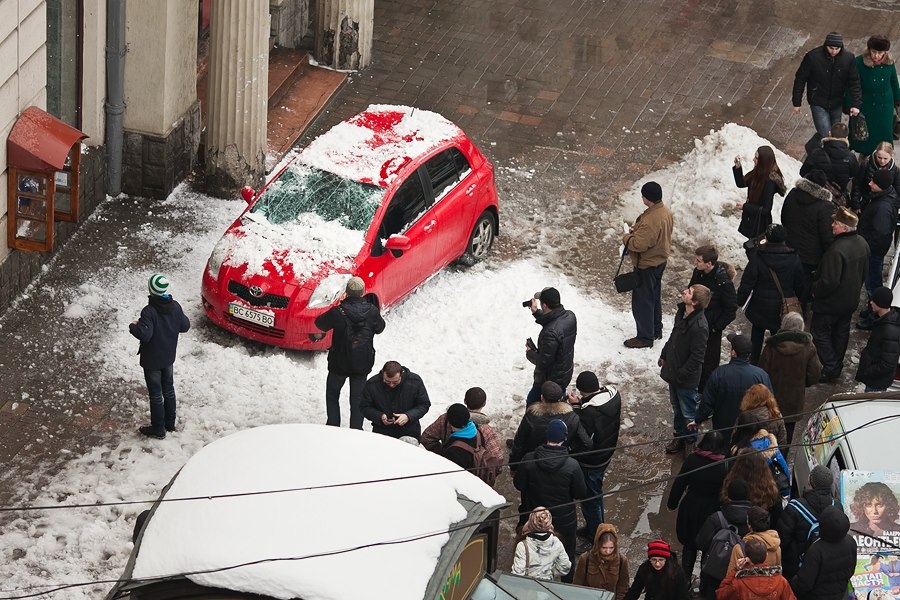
x: 247, y: 193
x: 397, y: 244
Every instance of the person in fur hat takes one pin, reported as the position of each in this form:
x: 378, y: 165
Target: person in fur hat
x: 604, y: 567
x: 880, y: 93
x: 539, y: 553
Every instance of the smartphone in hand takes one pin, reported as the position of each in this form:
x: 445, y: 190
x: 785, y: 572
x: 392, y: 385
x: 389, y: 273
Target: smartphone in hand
x: 530, y: 343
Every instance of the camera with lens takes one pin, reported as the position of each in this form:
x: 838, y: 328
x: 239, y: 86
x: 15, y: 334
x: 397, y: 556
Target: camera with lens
x: 527, y: 303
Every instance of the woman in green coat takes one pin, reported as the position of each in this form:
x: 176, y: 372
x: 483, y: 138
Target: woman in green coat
x: 880, y: 93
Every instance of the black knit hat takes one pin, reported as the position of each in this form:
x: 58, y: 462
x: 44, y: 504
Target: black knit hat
x: 834, y: 39
x: 587, y: 382
x: 878, y: 43
x: 883, y: 297
x: 738, y: 490
x: 652, y: 191
x: 458, y: 415
x: 883, y: 178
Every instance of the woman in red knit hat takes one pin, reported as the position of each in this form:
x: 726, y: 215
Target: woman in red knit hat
x: 659, y: 577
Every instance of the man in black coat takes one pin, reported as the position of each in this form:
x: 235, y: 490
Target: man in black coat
x: 681, y: 363
x: 600, y: 410
x: 158, y: 327
x: 830, y: 561
x: 834, y: 158
x: 878, y: 360
x: 532, y: 431
x: 716, y: 276
x: 793, y: 529
x: 836, y: 292
x: 554, y: 356
x: 355, y: 323
x: 876, y: 226
x: 734, y: 509
x: 550, y: 477
x: 394, y: 400
x: 806, y: 217
x: 827, y: 72
x: 727, y: 386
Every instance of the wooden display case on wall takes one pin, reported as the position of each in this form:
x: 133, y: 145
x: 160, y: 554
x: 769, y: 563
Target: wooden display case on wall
x: 43, y: 156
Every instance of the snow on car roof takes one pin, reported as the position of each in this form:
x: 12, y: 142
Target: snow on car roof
x: 204, y: 534
x: 373, y: 145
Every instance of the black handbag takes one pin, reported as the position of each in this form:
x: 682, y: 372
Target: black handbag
x: 897, y: 122
x: 626, y: 282
x: 859, y: 129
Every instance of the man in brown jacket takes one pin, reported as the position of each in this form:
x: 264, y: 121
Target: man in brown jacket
x: 649, y: 243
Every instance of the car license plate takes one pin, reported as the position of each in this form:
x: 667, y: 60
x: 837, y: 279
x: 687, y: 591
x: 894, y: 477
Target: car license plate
x: 254, y: 316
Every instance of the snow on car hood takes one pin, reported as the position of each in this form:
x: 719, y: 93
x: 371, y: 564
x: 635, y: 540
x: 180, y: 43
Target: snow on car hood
x: 374, y: 144
x: 330, y: 533
x: 298, y: 249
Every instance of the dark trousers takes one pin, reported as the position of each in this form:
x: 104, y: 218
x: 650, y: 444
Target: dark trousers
x: 646, y: 304
x: 808, y: 271
x: 688, y: 558
x: 161, y: 389
x: 831, y: 334
x: 757, y: 337
x: 333, y: 385
x: 875, y: 275
x: 710, y: 359
x: 592, y: 507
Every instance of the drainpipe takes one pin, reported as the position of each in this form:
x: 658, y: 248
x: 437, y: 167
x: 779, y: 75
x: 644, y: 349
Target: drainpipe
x: 115, y: 92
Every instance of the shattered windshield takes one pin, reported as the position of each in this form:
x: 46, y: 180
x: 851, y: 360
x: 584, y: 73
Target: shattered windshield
x: 303, y: 189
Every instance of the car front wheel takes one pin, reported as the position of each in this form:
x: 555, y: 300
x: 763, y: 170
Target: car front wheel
x: 481, y: 240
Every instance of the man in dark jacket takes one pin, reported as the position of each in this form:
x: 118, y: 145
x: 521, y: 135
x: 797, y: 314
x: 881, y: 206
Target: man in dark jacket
x: 600, y: 410
x: 836, y: 292
x: 734, y: 509
x: 827, y: 72
x: 806, y: 217
x: 876, y: 226
x: 355, y: 322
x: 394, y: 400
x: 158, y: 327
x: 834, y: 158
x: 532, y: 431
x: 793, y: 528
x: 550, y: 477
x: 554, y: 356
x: 727, y: 386
x: 830, y: 561
x: 681, y: 362
x: 722, y: 307
x: 878, y: 360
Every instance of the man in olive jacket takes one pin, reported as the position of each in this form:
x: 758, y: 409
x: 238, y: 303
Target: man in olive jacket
x: 836, y: 292
x: 878, y: 360
x: 681, y: 362
x: 649, y: 243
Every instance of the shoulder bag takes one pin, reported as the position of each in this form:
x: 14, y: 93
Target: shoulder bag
x: 626, y: 282
x: 859, y: 129
x: 789, y: 304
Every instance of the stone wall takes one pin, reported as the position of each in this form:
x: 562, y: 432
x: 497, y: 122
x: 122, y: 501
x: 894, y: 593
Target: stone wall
x: 290, y: 22
x: 153, y: 166
x: 20, y: 268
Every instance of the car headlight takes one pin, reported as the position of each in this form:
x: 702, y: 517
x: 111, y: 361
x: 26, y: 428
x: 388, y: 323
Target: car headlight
x: 217, y: 257
x: 328, y: 290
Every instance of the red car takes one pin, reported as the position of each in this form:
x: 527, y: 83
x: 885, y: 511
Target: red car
x: 392, y: 195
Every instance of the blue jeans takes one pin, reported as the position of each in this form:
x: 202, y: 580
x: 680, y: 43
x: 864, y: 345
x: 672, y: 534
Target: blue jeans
x: 161, y: 389
x: 592, y: 508
x: 646, y: 305
x: 333, y: 385
x: 823, y: 118
x: 684, y: 407
x: 874, y: 389
x: 534, y: 394
x: 874, y: 278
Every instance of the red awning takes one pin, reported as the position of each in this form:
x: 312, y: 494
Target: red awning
x: 40, y: 142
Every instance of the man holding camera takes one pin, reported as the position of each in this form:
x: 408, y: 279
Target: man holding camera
x: 554, y: 355
x: 649, y: 243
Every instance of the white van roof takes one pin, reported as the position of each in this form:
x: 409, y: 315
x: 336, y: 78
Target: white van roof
x: 871, y: 426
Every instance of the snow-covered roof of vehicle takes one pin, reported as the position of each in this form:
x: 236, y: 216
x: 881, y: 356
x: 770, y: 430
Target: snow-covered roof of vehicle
x: 375, y: 144
x: 342, y: 541
x: 870, y: 426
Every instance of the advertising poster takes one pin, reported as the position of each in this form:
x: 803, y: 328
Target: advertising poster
x: 870, y: 500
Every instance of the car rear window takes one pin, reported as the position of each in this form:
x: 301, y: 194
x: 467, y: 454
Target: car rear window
x: 302, y: 189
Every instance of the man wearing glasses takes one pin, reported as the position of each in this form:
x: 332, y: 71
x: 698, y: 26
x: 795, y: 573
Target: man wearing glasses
x: 827, y: 72
x: 394, y: 400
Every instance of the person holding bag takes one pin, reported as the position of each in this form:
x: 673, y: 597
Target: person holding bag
x: 762, y: 183
x: 880, y: 93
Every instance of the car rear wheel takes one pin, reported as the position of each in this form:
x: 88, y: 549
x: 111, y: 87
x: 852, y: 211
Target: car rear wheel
x: 481, y: 240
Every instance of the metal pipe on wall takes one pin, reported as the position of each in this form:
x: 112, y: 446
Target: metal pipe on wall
x: 115, y: 93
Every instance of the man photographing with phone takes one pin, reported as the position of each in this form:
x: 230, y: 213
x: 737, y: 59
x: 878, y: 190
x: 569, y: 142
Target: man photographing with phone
x: 553, y: 356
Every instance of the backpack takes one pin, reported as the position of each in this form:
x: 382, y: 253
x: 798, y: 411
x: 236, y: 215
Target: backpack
x: 719, y: 552
x: 813, y: 533
x: 358, y: 342
x: 484, y: 465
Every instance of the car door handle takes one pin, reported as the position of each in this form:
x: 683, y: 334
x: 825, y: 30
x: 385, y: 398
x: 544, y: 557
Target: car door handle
x: 430, y: 226
x: 471, y: 189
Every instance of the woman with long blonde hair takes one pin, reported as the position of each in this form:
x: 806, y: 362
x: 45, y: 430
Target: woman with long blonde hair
x: 759, y: 400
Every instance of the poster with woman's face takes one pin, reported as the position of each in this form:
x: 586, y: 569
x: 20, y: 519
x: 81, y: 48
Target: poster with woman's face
x: 870, y: 500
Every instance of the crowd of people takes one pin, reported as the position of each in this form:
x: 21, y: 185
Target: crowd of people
x: 732, y: 493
